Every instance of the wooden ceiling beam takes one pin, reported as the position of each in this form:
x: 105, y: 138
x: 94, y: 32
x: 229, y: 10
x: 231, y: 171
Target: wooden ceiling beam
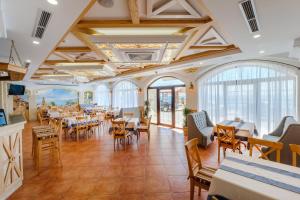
x: 231, y: 49
x: 64, y: 56
x: 143, y: 23
x: 191, y: 58
x: 209, y: 47
x: 193, y: 37
x: 54, y: 62
x: 86, y: 40
x: 73, y: 49
x: 134, y: 11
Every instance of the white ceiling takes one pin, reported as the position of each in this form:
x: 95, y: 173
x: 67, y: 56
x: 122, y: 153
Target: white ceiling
x: 278, y: 23
x: 20, y: 16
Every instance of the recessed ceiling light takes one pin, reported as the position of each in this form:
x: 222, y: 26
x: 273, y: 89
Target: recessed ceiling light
x: 261, y: 51
x: 256, y: 36
x: 53, y: 2
x: 35, y: 42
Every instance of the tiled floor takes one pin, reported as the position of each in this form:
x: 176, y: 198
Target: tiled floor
x: 92, y: 170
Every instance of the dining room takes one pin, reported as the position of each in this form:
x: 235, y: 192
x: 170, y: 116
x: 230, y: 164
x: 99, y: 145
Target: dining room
x: 149, y: 99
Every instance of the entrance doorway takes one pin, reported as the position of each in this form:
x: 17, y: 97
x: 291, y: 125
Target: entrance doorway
x: 167, y: 98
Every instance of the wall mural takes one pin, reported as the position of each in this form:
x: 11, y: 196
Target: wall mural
x: 21, y: 104
x: 57, y: 97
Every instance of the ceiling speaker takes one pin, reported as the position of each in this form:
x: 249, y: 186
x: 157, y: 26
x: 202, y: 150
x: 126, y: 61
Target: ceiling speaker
x: 106, y: 3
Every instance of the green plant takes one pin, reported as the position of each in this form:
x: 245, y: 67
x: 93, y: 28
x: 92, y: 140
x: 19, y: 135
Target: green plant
x: 185, y: 111
x: 147, y: 108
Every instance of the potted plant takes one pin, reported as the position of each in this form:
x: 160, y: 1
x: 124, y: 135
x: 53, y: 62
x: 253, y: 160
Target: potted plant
x: 147, y: 108
x: 186, y: 111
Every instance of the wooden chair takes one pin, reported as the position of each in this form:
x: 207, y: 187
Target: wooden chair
x: 80, y: 127
x: 120, y: 133
x: 295, y: 151
x: 259, y: 143
x: 227, y: 140
x: 199, y: 175
x: 145, y: 128
x: 128, y: 114
x: 46, y: 138
x: 43, y: 117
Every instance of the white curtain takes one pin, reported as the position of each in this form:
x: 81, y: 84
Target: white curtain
x: 102, y: 95
x: 258, y: 92
x: 125, y: 95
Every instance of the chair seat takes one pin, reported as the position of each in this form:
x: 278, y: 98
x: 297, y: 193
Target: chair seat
x: 143, y: 127
x: 229, y: 141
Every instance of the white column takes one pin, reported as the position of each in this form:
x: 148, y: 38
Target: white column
x: 32, y: 105
x: 297, y: 96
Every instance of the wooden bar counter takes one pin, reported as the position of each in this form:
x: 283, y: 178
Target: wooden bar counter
x: 11, y: 156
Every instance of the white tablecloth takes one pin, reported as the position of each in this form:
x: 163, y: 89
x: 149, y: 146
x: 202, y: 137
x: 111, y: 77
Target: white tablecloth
x: 250, y: 184
x: 244, y: 129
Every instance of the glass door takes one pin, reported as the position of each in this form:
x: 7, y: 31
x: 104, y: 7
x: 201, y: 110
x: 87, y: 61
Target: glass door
x: 166, y: 107
x: 152, y: 98
x: 180, y: 102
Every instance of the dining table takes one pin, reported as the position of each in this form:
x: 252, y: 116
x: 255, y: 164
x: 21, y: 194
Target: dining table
x: 242, y: 177
x: 244, y: 130
x: 132, y: 123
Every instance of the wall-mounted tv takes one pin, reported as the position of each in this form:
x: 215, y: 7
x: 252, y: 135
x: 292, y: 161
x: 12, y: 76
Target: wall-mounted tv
x: 3, y: 121
x: 16, y: 89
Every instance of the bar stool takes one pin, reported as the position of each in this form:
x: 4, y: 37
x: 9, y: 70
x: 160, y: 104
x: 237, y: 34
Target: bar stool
x: 46, y: 138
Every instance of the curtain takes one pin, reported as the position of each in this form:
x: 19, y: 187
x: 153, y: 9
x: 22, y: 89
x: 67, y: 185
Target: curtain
x: 102, y: 95
x: 125, y: 95
x: 258, y: 92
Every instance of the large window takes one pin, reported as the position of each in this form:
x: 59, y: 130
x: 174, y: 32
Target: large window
x: 259, y: 92
x: 125, y: 95
x: 102, y: 95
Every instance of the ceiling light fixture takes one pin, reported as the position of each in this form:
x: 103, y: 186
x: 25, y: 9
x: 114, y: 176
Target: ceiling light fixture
x: 35, y: 42
x: 106, y: 3
x: 53, y: 2
x: 28, y: 61
x: 261, y: 51
x: 256, y: 36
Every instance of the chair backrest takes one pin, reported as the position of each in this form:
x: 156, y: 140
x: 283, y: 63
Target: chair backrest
x: 128, y: 114
x: 295, y: 151
x: 118, y: 127
x: 226, y: 132
x: 200, y: 119
x: 193, y: 156
x: 272, y: 147
x: 149, y: 122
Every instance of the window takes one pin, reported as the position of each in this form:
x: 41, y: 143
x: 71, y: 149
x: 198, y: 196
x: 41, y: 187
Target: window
x: 167, y: 81
x: 88, y: 97
x: 125, y: 95
x: 259, y: 92
x: 102, y: 95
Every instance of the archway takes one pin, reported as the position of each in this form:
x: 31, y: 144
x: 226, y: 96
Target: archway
x: 167, y: 98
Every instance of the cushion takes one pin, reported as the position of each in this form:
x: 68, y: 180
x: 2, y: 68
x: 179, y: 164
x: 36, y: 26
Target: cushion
x: 207, y: 131
x: 271, y: 138
x: 200, y: 120
x: 288, y: 121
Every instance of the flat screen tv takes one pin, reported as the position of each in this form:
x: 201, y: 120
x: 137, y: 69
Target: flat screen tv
x: 16, y: 89
x: 3, y: 121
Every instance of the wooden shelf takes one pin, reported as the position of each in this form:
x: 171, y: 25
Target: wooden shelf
x: 15, y: 73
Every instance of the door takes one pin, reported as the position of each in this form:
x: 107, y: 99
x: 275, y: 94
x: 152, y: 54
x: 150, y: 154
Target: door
x: 152, y: 98
x: 166, y: 107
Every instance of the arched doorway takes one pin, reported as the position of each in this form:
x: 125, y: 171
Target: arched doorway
x: 167, y: 98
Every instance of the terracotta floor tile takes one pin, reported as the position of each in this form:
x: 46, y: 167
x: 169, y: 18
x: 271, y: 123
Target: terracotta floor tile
x: 132, y: 186
x: 156, y: 169
x: 159, y: 196
x: 107, y: 186
x: 157, y: 185
x: 179, y: 183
